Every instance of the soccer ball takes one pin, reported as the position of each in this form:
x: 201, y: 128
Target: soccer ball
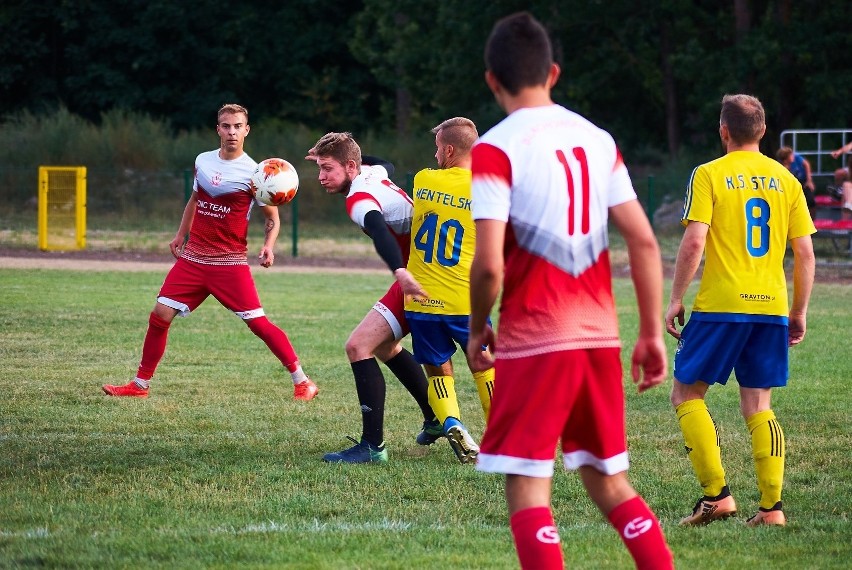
x: 274, y: 182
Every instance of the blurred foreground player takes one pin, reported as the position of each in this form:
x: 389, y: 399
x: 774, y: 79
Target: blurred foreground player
x: 545, y: 181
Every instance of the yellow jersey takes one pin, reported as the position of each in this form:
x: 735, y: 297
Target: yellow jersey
x: 753, y: 206
x: 443, y: 237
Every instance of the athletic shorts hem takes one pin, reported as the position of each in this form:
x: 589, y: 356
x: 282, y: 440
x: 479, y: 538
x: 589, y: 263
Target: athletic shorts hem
x: 514, y: 465
x: 182, y: 308
x: 610, y: 466
x: 388, y: 315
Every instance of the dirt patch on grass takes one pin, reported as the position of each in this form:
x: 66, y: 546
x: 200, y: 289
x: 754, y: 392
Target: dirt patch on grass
x: 107, y: 260
x: 110, y: 260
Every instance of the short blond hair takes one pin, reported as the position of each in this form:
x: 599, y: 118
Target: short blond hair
x: 459, y: 132
x: 339, y: 146
x: 231, y: 109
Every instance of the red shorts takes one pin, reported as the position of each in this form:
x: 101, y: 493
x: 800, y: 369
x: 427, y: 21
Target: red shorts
x: 392, y: 308
x: 575, y: 395
x: 188, y: 284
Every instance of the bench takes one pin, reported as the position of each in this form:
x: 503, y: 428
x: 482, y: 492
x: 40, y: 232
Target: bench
x: 838, y: 231
x: 829, y: 225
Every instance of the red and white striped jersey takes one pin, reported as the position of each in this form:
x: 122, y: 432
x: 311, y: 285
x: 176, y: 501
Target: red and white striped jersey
x: 552, y: 176
x: 373, y: 190
x: 220, y: 226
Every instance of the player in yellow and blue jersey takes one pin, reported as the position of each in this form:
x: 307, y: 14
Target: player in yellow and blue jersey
x: 741, y: 211
x: 443, y: 237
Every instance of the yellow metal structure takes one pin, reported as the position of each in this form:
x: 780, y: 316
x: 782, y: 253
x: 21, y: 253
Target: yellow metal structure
x: 61, y: 207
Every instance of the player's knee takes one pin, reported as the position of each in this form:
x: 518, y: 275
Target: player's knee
x: 355, y: 349
x: 682, y: 392
x: 258, y: 325
x: 155, y: 321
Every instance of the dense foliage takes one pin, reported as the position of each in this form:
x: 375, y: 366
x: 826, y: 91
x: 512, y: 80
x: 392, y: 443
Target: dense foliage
x: 650, y: 72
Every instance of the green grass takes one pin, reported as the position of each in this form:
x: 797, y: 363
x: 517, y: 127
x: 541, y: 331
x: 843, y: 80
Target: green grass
x: 220, y: 468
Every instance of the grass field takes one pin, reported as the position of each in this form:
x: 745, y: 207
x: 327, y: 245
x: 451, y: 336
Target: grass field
x: 220, y: 468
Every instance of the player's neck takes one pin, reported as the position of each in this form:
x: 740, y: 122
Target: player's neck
x: 748, y: 147
x: 538, y: 96
x: 455, y: 162
x: 230, y: 155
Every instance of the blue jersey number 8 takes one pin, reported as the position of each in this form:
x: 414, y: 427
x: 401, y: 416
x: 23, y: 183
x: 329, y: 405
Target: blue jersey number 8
x: 425, y: 240
x: 757, y: 227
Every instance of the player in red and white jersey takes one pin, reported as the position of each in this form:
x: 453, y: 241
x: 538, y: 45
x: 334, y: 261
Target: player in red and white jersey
x: 213, y: 260
x: 383, y: 211
x: 545, y: 183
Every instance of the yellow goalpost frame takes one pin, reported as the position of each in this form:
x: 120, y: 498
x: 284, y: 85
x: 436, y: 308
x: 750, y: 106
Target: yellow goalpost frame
x: 61, y: 207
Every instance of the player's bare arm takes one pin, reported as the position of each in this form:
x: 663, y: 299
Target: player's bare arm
x: 804, y: 265
x: 486, y: 274
x: 176, y: 245
x: 649, y: 364
x: 844, y: 149
x: 410, y: 286
x: 271, y: 229
x: 688, y: 259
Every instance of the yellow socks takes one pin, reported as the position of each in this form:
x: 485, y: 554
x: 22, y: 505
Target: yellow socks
x: 702, y: 445
x: 767, y: 445
x: 485, y: 387
x: 442, y: 398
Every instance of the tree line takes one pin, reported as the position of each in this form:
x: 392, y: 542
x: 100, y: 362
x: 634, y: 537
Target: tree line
x: 652, y: 73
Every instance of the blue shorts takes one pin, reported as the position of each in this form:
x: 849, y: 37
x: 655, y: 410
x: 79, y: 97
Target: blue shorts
x: 434, y: 337
x: 756, y: 352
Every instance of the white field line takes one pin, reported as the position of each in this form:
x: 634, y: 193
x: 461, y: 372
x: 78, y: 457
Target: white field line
x: 72, y: 436
x: 39, y: 532
x: 315, y: 526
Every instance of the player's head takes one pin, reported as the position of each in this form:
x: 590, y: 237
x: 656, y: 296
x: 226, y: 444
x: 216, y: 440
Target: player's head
x: 742, y: 118
x: 784, y: 155
x: 454, y: 138
x: 338, y: 157
x: 232, y: 127
x: 518, y: 53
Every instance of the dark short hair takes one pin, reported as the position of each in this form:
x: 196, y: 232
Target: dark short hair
x: 744, y: 117
x: 518, y: 52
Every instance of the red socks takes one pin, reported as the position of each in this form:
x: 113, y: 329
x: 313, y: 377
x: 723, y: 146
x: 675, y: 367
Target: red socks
x: 536, y: 539
x: 154, y: 346
x: 276, y: 340
x: 640, y: 530
x: 538, y: 546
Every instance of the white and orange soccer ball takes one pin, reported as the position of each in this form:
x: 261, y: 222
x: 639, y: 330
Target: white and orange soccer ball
x: 274, y: 182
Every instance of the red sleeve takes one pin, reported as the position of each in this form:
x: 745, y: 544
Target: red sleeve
x: 488, y: 161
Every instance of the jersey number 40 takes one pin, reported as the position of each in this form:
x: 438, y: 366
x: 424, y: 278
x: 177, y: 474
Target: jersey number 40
x: 433, y: 240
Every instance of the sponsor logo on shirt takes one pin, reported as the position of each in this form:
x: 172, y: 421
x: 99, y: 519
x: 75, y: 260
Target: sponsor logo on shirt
x: 758, y: 298
x: 212, y: 209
